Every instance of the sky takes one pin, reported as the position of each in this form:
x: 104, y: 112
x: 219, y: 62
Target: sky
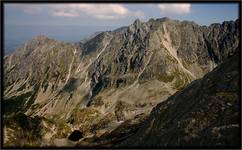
x: 83, y: 14
x: 73, y: 21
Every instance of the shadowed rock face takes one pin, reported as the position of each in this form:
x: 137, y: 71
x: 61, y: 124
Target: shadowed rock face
x: 204, y: 114
x: 75, y: 135
x: 95, y: 85
x: 23, y: 131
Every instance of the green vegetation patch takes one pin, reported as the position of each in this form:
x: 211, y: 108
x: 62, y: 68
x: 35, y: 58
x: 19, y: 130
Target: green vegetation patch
x: 166, y: 78
x: 27, y: 130
x: 85, y: 118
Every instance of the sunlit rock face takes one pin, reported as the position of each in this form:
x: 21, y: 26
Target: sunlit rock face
x: 110, y: 78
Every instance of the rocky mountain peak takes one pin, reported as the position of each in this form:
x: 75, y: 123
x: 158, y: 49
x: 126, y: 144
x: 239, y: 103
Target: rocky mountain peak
x: 151, y: 20
x: 121, y: 29
x: 137, y: 23
x: 40, y: 37
x: 36, y: 42
x: 166, y: 19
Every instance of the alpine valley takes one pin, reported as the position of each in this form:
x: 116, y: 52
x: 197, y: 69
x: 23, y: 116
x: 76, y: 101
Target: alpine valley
x: 160, y: 83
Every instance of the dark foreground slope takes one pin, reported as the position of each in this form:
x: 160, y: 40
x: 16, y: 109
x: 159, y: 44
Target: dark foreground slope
x: 206, y: 113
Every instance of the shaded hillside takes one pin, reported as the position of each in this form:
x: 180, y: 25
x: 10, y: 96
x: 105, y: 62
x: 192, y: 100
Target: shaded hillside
x: 205, y: 114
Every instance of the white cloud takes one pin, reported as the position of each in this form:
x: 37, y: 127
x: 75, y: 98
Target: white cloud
x: 174, y: 9
x: 99, y: 11
x: 64, y: 14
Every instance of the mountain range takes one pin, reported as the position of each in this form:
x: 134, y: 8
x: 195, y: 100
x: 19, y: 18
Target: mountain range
x: 160, y: 83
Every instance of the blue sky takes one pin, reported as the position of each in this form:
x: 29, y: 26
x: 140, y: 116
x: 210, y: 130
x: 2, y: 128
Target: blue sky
x: 115, y: 14
x: 73, y: 22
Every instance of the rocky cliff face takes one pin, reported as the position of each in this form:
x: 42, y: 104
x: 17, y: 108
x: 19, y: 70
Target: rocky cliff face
x: 204, y: 114
x: 114, y: 76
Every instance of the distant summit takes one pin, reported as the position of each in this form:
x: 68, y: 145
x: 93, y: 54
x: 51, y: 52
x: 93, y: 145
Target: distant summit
x: 40, y: 37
